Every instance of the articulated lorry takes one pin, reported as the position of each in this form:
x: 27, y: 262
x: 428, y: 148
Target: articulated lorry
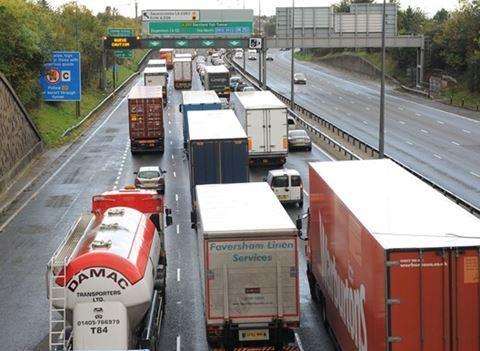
x: 249, y: 267
x: 182, y: 73
x: 217, y: 78
x: 264, y: 118
x: 167, y: 55
x: 106, y: 281
x: 392, y: 263
x: 157, y: 75
x: 217, y: 149
x: 145, y: 119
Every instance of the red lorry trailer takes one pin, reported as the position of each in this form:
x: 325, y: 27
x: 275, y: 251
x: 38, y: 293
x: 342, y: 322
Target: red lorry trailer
x: 145, y: 119
x: 393, y: 264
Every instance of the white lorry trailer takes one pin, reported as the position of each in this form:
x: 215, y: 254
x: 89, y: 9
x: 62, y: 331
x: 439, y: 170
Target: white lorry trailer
x: 157, y: 75
x: 249, y: 266
x: 264, y: 118
x: 182, y: 72
x: 106, y: 281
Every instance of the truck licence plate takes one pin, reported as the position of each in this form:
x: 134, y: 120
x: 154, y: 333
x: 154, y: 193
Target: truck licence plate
x: 253, y: 335
x: 283, y: 197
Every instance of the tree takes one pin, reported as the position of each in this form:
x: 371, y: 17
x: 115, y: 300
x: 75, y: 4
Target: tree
x: 344, y: 5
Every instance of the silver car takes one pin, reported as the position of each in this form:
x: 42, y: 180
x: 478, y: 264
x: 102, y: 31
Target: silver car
x: 150, y: 178
x: 299, y: 139
x: 299, y: 78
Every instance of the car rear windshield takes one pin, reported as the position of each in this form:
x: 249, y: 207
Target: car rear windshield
x: 295, y: 180
x: 298, y: 133
x: 148, y: 174
x: 280, y: 181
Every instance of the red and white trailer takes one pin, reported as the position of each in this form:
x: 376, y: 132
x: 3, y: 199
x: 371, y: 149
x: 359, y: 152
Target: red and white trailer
x: 106, y: 280
x: 393, y: 264
x: 249, y: 266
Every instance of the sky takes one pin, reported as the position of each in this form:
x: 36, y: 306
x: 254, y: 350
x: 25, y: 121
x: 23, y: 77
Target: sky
x: 127, y: 7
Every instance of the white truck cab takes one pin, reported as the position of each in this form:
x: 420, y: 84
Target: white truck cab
x: 287, y: 185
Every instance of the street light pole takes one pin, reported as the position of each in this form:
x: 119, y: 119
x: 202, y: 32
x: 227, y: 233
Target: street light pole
x: 77, y: 103
x: 292, y: 85
x: 381, y: 129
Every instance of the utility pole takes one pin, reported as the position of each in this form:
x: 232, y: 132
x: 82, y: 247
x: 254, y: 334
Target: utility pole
x: 292, y: 68
x: 136, y: 10
x: 381, y: 129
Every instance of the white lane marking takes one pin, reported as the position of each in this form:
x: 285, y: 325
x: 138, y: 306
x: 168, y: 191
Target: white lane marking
x: 169, y: 123
x: 437, y: 156
x: 466, y: 131
x: 298, y: 341
x: 178, y: 274
x: 401, y: 122
x: 323, y: 101
x: 178, y: 342
x: 323, y: 152
x: 367, y: 108
x: 176, y: 197
x: 401, y: 108
x: 169, y: 132
x: 418, y: 114
x: 341, y: 98
x: 171, y: 143
x: 352, y: 102
x: 120, y: 173
x: 455, y: 143
x: 174, y: 174
x: 35, y: 194
x: 424, y: 131
x: 409, y: 142
x: 441, y: 122
x: 336, y: 108
x: 349, y: 114
x: 365, y: 122
x: 178, y: 229
x: 173, y: 157
x: 475, y: 174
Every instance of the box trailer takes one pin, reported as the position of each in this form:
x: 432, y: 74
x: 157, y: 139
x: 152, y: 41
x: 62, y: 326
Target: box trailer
x: 157, y: 75
x: 197, y: 100
x: 167, y: 55
x: 157, y: 63
x: 249, y: 266
x: 217, y: 148
x: 393, y: 264
x: 264, y: 118
x: 217, y: 78
x: 182, y: 73
x: 145, y: 118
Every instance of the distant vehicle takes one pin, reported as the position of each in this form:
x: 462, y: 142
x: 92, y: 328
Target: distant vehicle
x: 291, y: 121
x: 287, y: 185
x: 249, y: 266
x: 217, y: 61
x: 217, y: 78
x: 157, y: 63
x: 252, y: 55
x: 299, y: 139
x: 167, y: 54
x: 201, y: 59
x: 150, y: 177
x: 238, y: 55
x: 299, y: 78
x: 269, y: 57
x: 234, y: 81
x: 248, y: 88
x: 145, y: 118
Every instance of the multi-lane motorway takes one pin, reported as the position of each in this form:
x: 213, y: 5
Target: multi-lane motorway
x: 440, y: 145
x: 101, y: 160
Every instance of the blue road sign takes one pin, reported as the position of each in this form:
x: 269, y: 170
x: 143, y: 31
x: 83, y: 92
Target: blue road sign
x: 61, y: 78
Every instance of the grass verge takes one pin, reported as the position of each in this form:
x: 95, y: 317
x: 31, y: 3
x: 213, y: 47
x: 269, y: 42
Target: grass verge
x: 52, y: 119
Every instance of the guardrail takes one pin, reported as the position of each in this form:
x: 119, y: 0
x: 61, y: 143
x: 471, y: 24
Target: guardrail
x: 356, y: 142
x: 102, y: 103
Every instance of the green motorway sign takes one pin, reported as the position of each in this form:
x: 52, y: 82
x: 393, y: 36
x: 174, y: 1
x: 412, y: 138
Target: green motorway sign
x: 199, y: 28
x: 122, y: 32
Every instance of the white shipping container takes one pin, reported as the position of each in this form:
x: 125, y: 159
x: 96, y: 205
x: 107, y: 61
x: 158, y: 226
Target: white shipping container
x: 155, y: 76
x: 182, y: 73
x: 249, y: 261
x: 264, y: 118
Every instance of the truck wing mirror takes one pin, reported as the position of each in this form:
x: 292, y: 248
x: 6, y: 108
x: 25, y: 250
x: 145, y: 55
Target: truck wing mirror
x: 299, y: 223
x: 168, y: 217
x: 135, y: 173
x: 193, y: 219
x: 180, y: 107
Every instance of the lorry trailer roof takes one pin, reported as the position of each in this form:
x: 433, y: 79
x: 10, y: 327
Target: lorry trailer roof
x: 182, y: 59
x: 259, y: 100
x: 145, y: 92
x: 155, y: 70
x: 241, y: 209
x: 399, y: 209
x: 214, y: 125
x: 156, y: 62
x: 216, y: 69
x: 190, y: 97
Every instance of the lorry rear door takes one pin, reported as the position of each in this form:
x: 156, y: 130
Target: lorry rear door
x: 204, y: 165
x: 277, y: 130
x: 153, y: 118
x: 256, y: 131
x: 231, y: 152
x: 431, y: 296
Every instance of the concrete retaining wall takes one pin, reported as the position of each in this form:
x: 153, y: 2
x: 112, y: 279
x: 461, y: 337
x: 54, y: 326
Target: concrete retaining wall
x: 20, y: 141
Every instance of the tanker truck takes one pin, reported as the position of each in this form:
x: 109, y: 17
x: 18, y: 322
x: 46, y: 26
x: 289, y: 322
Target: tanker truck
x: 106, y: 281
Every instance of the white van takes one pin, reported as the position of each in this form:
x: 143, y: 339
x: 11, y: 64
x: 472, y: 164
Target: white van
x: 252, y: 54
x: 287, y: 185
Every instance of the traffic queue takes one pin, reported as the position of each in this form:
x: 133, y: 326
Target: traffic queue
x: 380, y: 243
